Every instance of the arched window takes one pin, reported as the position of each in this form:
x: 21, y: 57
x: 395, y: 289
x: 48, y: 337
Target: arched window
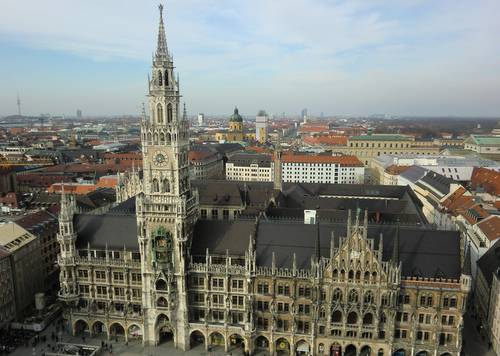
x: 162, y: 138
x: 156, y: 186
x: 368, y: 319
x: 358, y: 275
x: 161, y: 284
x: 169, y: 113
x: 155, y: 138
x: 368, y: 298
x: 352, y: 318
x: 337, y: 316
x: 351, y: 275
x: 166, y: 78
x: 337, y: 295
x: 169, y: 138
x: 353, y: 296
x: 149, y: 138
x: 367, y: 276
x: 159, y: 113
x: 335, y: 274
x: 165, y: 187
x: 161, y: 302
x: 160, y: 78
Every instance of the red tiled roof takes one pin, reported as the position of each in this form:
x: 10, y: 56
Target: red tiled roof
x: 342, y: 160
x: 326, y: 140
x: 491, y: 227
x: 395, y: 169
x: 304, y: 129
x: 199, y: 155
x: 37, y: 180
x: 486, y: 178
x: 10, y: 199
x: 39, y: 217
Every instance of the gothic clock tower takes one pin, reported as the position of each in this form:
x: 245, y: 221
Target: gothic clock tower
x: 167, y: 208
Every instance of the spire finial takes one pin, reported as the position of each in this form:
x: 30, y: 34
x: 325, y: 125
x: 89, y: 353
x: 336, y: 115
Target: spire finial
x: 161, y: 48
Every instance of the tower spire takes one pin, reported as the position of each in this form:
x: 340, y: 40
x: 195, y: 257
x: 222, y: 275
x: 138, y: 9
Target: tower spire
x: 161, y: 48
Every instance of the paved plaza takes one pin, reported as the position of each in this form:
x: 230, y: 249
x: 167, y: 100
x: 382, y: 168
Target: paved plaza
x: 133, y: 348
x: 475, y: 345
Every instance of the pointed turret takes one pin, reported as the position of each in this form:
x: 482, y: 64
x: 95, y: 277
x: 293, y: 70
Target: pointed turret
x: 161, y: 47
x: 332, y: 245
x: 349, y: 223
x: 365, y: 225
x: 317, y: 252
x: 278, y: 155
x: 395, y: 247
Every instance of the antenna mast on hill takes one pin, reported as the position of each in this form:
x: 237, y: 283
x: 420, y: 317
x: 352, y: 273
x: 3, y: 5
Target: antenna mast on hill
x: 18, y: 105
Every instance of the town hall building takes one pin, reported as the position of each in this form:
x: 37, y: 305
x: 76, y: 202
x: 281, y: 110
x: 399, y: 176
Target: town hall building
x: 359, y: 273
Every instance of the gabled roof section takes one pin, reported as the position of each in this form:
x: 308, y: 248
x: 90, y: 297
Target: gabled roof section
x: 438, y: 182
x: 423, y: 253
x: 116, y: 229
x: 490, y: 227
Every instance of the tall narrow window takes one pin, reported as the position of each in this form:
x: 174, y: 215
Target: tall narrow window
x: 160, y: 78
x: 165, y: 186
x: 166, y: 78
x: 159, y: 113
x: 169, y: 113
x: 156, y: 187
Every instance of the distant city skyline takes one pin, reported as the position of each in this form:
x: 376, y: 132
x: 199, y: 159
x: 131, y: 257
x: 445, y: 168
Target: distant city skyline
x: 414, y: 57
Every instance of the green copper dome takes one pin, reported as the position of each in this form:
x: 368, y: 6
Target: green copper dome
x: 236, y: 117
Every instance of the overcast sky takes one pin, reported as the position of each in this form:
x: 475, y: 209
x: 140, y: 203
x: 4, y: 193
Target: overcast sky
x: 356, y: 57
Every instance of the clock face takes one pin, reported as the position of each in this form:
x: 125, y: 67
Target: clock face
x: 160, y: 159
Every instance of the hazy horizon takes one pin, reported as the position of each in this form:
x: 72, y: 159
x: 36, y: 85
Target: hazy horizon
x: 355, y: 58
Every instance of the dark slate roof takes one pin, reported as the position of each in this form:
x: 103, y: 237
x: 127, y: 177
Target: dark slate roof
x: 246, y: 159
x: 437, y: 181
x: 489, y: 263
x: 219, y: 236
x: 414, y: 173
x: 424, y: 253
x: 394, y: 203
x: 115, y: 229
x: 221, y: 193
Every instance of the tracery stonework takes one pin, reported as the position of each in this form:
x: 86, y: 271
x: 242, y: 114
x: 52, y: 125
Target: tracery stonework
x: 136, y: 272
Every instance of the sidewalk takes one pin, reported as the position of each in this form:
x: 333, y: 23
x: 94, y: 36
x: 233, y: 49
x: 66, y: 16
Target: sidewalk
x: 134, y: 348
x: 475, y: 344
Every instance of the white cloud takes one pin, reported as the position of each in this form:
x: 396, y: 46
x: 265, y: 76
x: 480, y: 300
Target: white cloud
x: 357, y: 56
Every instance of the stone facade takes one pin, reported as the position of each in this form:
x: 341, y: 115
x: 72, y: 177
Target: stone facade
x: 351, y: 299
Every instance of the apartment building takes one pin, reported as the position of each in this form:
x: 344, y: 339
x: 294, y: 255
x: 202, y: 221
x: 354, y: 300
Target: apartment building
x: 303, y: 168
x: 367, y: 147
x: 250, y: 167
x: 7, y: 296
x: 24, y: 251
